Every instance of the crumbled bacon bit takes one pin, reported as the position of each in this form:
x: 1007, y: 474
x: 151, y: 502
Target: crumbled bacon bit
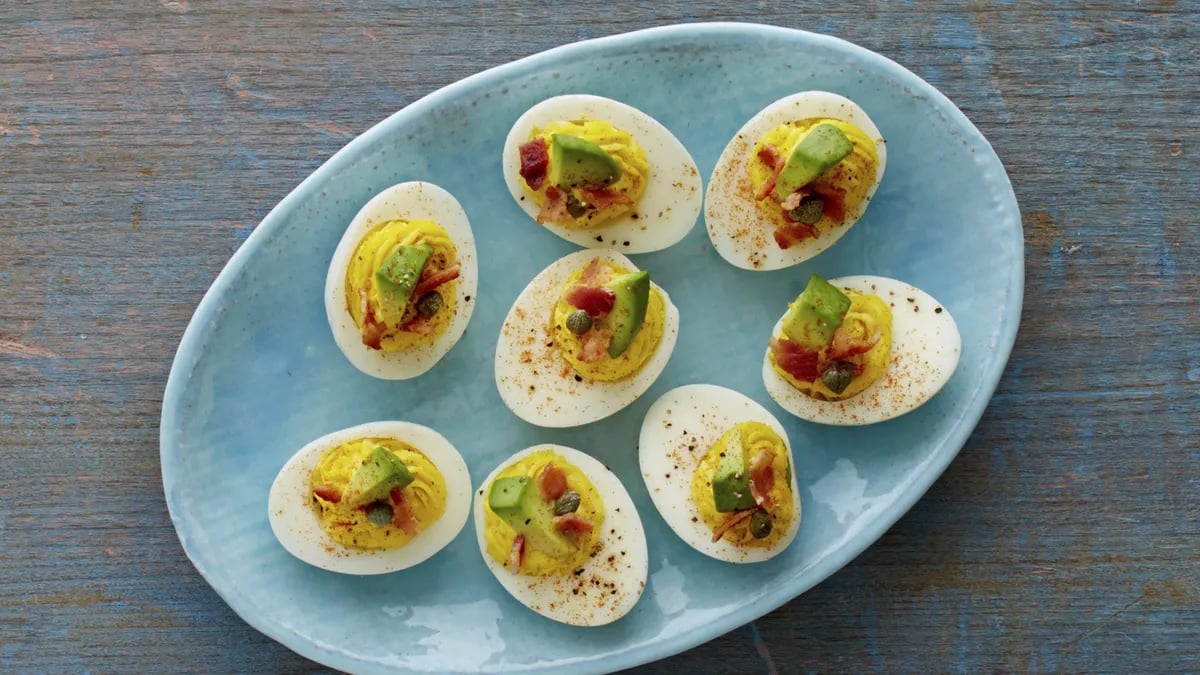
x: 328, y: 493
x: 762, y: 477
x: 602, y: 198
x: 434, y: 279
x: 594, y: 344
x: 771, y: 157
x: 552, y: 482
x: 843, y: 345
x: 402, y: 515
x: 795, y: 360
x: 794, y: 233
x: 572, y: 523
x: 595, y: 300
x: 534, y: 161
x: 733, y: 519
x: 555, y: 208
x: 517, y: 554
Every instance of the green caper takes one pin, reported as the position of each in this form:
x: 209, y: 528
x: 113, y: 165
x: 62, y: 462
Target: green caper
x: 379, y: 513
x: 567, y: 502
x: 429, y: 304
x: 760, y: 524
x: 837, y: 376
x: 575, y: 207
x: 809, y: 212
x: 579, y: 322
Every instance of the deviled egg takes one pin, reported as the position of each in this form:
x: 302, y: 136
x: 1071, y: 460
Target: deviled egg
x: 719, y: 468
x: 562, y: 536
x: 370, y: 499
x: 602, y: 174
x: 399, y: 288
x: 859, y: 350
x: 793, y: 180
x: 586, y: 338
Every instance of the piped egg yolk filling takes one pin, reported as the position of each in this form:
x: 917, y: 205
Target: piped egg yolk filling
x: 586, y: 206
x: 843, y: 187
x: 586, y: 353
x: 868, y: 318
x: 386, y: 331
x: 500, y: 536
x: 424, y: 499
x: 779, y: 505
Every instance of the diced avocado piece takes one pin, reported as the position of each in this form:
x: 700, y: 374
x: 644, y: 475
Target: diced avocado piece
x: 631, y: 295
x: 396, y: 279
x: 578, y: 161
x: 815, y: 315
x: 731, y: 480
x: 518, y: 502
x: 381, y: 471
x: 822, y: 147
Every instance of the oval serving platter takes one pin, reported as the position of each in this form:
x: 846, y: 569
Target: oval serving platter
x: 251, y: 384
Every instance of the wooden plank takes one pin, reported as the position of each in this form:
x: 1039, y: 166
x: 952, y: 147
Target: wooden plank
x: 1066, y: 536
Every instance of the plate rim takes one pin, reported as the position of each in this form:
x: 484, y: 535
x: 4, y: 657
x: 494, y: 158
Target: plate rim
x: 190, y: 343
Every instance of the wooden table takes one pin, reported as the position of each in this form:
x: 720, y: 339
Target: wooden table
x: 140, y: 143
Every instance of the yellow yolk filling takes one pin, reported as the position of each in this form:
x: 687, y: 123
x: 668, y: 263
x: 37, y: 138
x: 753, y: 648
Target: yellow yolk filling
x: 608, y: 369
x: 372, y: 251
x: 349, y: 526
x: 756, y: 436
x: 499, y: 535
x: 621, y: 146
x: 867, y: 316
x: 855, y: 174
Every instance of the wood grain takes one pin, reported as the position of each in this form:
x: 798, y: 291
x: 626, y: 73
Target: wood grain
x: 140, y: 144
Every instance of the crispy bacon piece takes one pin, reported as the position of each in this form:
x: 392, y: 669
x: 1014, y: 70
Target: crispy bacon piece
x: 591, y: 274
x: 793, y: 200
x: 602, y: 198
x: 795, y: 360
x: 594, y: 344
x: 436, y: 279
x: 842, y: 345
x: 762, y: 477
x: 534, y: 161
x: 572, y: 523
x: 372, y: 331
x: 835, y: 203
x: 552, y: 482
x: 733, y: 519
x: 595, y: 300
x: 517, y: 554
x: 418, y: 324
x: 771, y: 157
x: 794, y: 233
x: 555, y: 208
x: 327, y: 493
x: 402, y: 515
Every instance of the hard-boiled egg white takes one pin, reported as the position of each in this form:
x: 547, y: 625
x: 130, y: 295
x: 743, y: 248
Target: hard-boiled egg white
x: 926, y: 347
x: 534, y: 380
x: 741, y: 233
x: 406, y: 201
x: 294, y: 520
x: 677, y: 432
x: 610, y: 583
x: 671, y: 203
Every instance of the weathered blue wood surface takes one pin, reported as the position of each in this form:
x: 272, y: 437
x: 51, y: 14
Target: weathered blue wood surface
x: 141, y: 142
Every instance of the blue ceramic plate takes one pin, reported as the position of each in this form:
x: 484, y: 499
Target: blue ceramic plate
x: 258, y: 375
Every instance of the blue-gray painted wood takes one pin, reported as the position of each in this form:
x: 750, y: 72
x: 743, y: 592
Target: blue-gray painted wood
x: 141, y: 143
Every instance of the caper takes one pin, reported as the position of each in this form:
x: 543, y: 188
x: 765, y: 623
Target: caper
x: 579, y: 322
x: 760, y: 524
x: 809, y: 212
x: 429, y: 304
x: 837, y: 376
x: 379, y: 513
x: 567, y: 502
x: 575, y: 207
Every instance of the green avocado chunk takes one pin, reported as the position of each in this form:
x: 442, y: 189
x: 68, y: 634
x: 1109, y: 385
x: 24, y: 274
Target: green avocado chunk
x: 396, y: 279
x: 381, y: 471
x: 578, y: 161
x: 822, y: 147
x: 815, y: 315
x: 631, y: 295
x: 731, y: 480
x: 518, y: 502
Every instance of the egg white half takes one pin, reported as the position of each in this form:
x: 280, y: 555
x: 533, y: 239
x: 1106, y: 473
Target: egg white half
x: 677, y: 432
x: 295, y: 524
x: 926, y: 347
x: 409, y: 201
x: 610, y: 583
x: 740, y: 232
x: 674, y: 191
x: 537, y: 383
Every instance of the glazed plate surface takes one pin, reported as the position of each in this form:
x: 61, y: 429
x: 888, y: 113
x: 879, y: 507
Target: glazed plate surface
x: 251, y: 384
